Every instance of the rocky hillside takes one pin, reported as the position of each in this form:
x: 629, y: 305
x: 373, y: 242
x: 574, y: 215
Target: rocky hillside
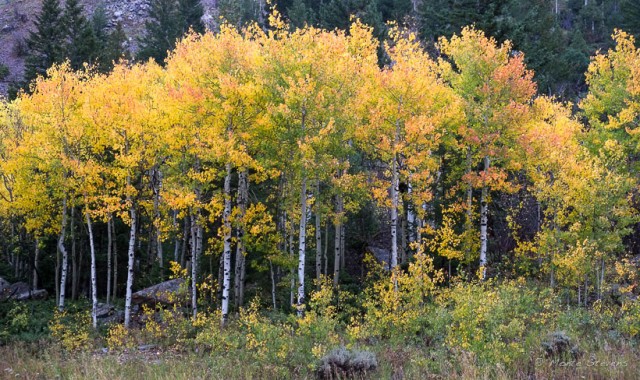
x: 17, y: 17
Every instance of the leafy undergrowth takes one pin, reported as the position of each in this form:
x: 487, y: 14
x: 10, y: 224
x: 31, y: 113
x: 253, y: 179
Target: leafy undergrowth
x: 402, y: 327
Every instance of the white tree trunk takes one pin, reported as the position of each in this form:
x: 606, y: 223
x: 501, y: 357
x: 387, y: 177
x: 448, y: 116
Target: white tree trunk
x: 65, y: 258
x: 94, y: 287
x: 57, y: 275
x: 185, y: 240
x: 130, y: 262
x: 36, y: 257
x: 115, y: 260
x: 176, y: 247
x: 325, y: 249
x: 292, y: 293
x: 343, y: 252
x: 302, y: 245
x: 273, y: 284
x: 318, y: 234
x: 394, y: 213
x: 157, y: 186
x: 240, y: 269
x: 469, y: 214
x: 196, y: 243
x: 411, y: 219
x: 74, y: 256
x: 336, y: 241
x: 484, y: 211
x: 226, y: 254
x: 109, y: 247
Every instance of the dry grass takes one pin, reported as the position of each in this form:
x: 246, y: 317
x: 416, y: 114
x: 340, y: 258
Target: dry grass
x: 21, y: 361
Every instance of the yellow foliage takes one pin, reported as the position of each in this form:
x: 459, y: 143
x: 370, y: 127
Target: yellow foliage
x: 72, y: 331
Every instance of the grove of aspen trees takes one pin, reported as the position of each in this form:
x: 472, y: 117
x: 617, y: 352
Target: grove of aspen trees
x: 312, y: 198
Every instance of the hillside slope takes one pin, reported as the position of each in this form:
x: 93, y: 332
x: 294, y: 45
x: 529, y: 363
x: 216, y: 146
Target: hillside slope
x: 17, y: 17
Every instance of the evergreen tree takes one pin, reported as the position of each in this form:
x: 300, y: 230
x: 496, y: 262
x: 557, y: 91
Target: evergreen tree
x: 168, y: 21
x: 46, y: 42
x: 190, y: 12
x: 80, y: 45
x: 110, y: 45
x: 160, y: 31
x: 631, y: 11
x: 337, y: 14
x: 99, y: 23
x: 114, y: 49
x: 300, y: 13
x: 233, y: 11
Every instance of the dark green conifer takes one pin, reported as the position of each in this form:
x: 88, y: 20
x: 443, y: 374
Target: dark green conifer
x: 46, y: 42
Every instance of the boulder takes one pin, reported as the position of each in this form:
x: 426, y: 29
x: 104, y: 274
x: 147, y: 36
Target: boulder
x: 14, y: 290
x: 104, y: 310
x: 4, y: 284
x: 20, y: 291
x: 382, y: 255
x: 38, y: 294
x: 107, y: 314
x: 168, y: 293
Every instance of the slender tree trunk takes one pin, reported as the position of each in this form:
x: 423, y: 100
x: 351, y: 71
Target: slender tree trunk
x: 57, y: 275
x: 226, y: 282
x: 468, y: 221
x: 292, y: 294
x: 194, y: 267
x: 411, y: 219
x: 302, y: 245
x: 343, y: 252
x: 81, y: 258
x: 115, y: 259
x: 262, y: 13
x: 336, y: 241
x: 394, y: 213
x: 157, y: 187
x: 220, y: 276
x: 579, y: 295
x: 602, y: 270
x: 185, y: 239
x: 94, y: 287
x: 196, y: 244
x: 273, y: 284
x: 36, y: 257
x: 484, y: 211
x: 586, y: 289
x: 176, y: 247
x: 552, y: 280
x: 403, y: 238
x: 109, y: 247
x: 74, y: 257
x: 318, y: 234
x: 63, y: 250
x: 325, y: 249
x: 130, y: 261
x: 240, y: 268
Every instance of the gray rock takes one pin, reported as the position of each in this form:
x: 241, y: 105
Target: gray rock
x: 38, y: 294
x: 4, y: 284
x: 383, y: 255
x: 14, y: 290
x: 169, y: 293
x: 115, y: 316
x: 104, y: 310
